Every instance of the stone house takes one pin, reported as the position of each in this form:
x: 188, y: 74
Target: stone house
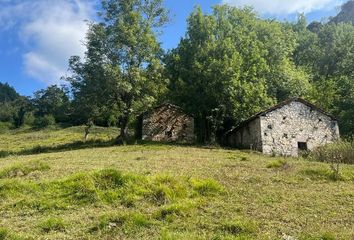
x: 167, y: 123
x: 285, y: 129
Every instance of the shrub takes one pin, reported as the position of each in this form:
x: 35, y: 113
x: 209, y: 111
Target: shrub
x: 29, y: 119
x: 43, y: 122
x: 4, y: 154
x: 52, y: 224
x: 339, y: 152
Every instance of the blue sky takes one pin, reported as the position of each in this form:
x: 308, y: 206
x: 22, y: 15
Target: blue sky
x: 38, y: 36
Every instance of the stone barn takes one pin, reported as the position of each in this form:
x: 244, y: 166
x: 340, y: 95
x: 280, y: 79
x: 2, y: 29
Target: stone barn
x: 168, y: 123
x: 285, y: 129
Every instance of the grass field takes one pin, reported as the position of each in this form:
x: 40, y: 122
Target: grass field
x: 54, y: 186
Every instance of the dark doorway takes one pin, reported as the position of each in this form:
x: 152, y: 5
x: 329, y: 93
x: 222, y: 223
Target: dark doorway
x: 302, y: 146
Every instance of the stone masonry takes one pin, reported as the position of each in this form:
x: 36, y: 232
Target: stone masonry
x: 285, y: 129
x: 168, y: 123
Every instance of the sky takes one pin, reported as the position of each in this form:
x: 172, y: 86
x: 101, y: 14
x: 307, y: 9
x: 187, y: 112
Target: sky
x: 37, y: 37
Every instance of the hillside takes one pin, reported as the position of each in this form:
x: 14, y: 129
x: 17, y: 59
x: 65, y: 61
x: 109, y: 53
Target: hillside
x: 346, y: 15
x: 7, y: 93
x: 53, y: 186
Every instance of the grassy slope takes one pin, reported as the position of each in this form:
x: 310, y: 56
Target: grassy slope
x: 169, y: 192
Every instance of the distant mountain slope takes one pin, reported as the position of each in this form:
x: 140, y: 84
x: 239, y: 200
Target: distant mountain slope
x: 346, y: 15
x: 7, y: 93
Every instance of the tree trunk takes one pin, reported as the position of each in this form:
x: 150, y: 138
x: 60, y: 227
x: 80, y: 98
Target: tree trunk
x: 122, y: 138
x: 88, y: 127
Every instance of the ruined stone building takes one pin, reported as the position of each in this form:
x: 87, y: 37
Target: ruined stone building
x: 168, y: 123
x: 285, y: 129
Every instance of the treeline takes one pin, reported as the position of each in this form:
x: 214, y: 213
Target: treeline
x: 230, y: 65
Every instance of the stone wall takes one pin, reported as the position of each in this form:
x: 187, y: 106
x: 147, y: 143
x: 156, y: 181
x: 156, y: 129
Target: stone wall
x: 247, y: 137
x: 168, y: 123
x: 284, y: 128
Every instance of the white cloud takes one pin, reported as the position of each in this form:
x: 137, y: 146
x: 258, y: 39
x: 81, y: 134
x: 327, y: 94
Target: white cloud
x: 51, y: 31
x: 285, y: 7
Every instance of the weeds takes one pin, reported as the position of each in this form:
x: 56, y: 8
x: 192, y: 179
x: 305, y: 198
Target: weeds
x: 278, y: 164
x: 238, y: 227
x: 206, y: 187
x: 321, y: 174
x: 339, y: 152
x: 52, y: 224
x: 3, y: 233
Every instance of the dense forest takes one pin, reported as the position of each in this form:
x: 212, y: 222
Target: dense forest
x: 229, y: 65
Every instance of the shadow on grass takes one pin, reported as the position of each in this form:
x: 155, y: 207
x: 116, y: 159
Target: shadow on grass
x: 77, y: 145
x: 59, y: 148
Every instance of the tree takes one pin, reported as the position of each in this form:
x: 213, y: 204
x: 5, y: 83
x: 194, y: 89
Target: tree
x: 7, y: 93
x: 22, y: 106
x: 327, y: 54
x: 52, y: 101
x: 128, y: 56
x: 231, y: 65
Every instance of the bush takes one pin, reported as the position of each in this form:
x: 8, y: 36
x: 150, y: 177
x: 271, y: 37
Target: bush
x: 339, y: 152
x: 45, y: 121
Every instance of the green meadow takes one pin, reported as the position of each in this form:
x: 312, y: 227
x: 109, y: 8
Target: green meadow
x: 53, y: 185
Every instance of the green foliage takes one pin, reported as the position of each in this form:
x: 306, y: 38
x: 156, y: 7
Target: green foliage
x: 327, y: 54
x: 52, y: 224
x: 7, y: 93
x: 231, y: 64
x: 43, y: 122
x: 52, y: 101
x: 122, y: 70
x: 339, y: 152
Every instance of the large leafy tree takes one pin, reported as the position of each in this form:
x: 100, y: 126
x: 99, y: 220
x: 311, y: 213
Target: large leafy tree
x: 326, y: 51
x: 231, y: 65
x: 122, y: 69
x: 52, y: 101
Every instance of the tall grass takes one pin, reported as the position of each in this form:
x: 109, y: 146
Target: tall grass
x: 339, y: 152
